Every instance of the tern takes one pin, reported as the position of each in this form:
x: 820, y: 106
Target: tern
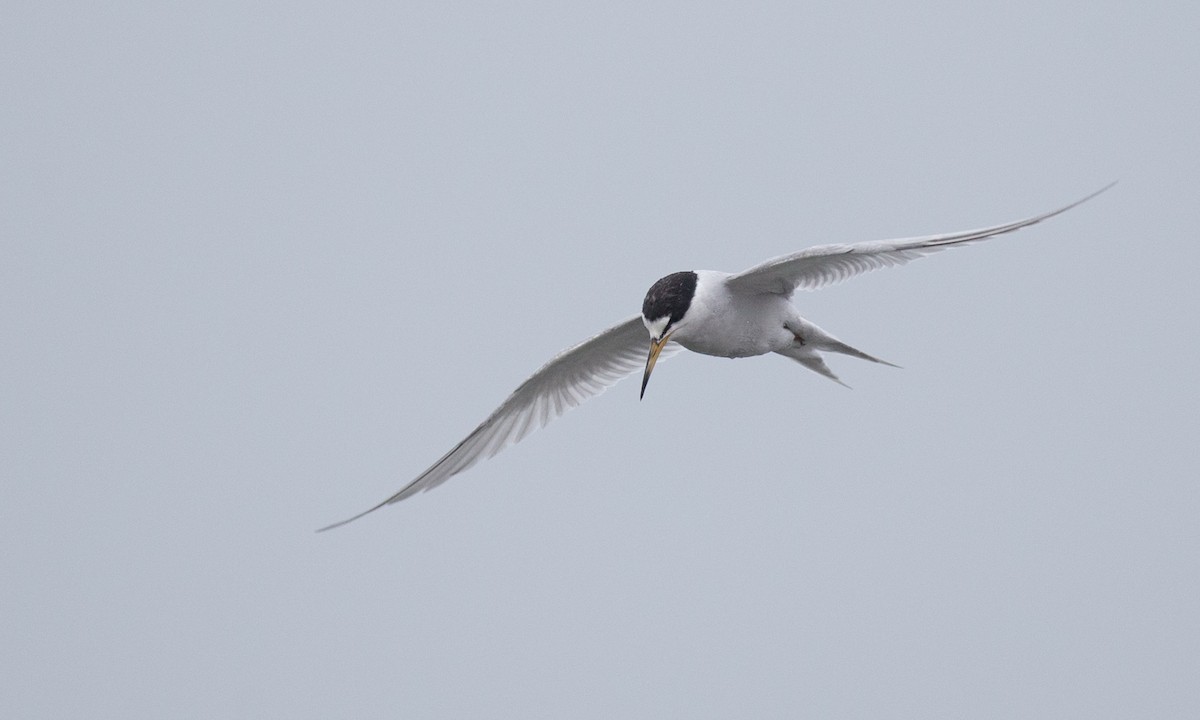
x: 731, y: 315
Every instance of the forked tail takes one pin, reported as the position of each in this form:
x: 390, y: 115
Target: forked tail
x: 812, y: 340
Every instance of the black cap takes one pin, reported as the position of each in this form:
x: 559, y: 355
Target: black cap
x: 670, y: 297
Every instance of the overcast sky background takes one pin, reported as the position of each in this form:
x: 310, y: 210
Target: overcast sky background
x: 261, y: 265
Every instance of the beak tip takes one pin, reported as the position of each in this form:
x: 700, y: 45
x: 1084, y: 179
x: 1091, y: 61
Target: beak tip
x: 656, y: 347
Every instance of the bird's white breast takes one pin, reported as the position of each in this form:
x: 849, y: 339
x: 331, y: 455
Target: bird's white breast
x: 733, y: 324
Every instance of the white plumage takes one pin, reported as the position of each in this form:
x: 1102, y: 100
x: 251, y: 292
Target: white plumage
x: 714, y: 313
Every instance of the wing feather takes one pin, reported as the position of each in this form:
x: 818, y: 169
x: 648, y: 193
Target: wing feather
x: 823, y: 265
x: 574, y: 375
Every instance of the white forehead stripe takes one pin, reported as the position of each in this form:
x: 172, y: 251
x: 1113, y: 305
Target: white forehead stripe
x: 657, y: 326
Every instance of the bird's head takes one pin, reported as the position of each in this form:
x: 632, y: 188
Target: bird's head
x: 663, y: 311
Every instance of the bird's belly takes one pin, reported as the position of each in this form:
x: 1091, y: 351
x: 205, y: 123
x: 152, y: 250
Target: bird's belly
x: 731, y: 325
x: 735, y: 340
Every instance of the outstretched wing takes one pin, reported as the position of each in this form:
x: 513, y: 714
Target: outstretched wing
x: 572, y: 376
x: 823, y: 265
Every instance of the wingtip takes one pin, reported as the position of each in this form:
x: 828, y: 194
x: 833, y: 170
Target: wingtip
x: 1092, y: 195
x: 349, y: 520
x: 338, y: 524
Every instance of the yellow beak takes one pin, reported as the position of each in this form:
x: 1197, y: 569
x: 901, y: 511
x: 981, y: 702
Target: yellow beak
x: 656, y: 347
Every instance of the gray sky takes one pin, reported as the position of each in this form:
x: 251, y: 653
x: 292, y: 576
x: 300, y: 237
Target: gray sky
x: 262, y: 265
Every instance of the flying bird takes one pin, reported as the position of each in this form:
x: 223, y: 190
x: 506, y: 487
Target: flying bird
x: 713, y: 313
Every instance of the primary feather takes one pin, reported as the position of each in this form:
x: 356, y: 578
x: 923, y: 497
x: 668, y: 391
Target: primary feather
x: 572, y: 376
x: 816, y: 267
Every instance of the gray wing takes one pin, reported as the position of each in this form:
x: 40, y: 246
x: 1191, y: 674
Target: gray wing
x: 823, y: 265
x: 572, y: 376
